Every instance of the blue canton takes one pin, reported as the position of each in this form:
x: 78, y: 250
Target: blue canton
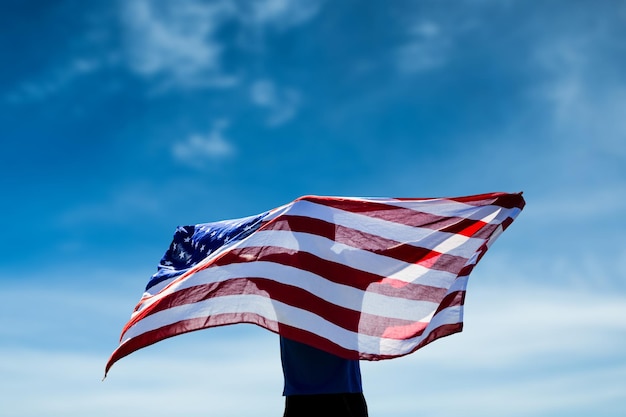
x: 192, y: 244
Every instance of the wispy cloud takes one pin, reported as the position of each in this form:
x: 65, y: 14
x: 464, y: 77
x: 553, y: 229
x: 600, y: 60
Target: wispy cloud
x: 586, y: 108
x: 176, y: 42
x: 59, y: 357
x: 524, y: 351
x: 52, y: 81
x: 445, y: 392
x: 199, y: 380
x: 281, y: 104
x: 279, y: 13
x: 179, y: 45
x: 198, y: 149
x: 174, y: 46
x: 427, y: 48
x: 431, y: 36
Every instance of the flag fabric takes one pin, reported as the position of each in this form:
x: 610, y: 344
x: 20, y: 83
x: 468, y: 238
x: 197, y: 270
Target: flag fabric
x: 362, y: 278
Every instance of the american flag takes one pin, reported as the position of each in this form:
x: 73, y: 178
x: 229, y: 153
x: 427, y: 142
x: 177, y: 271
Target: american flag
x: 363, y: 278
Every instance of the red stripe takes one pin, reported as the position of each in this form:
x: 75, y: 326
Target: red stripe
x: 441, y: 331
x: 471, y: 228
x: 328, y: 346
x: 506, y: 223
x: 335, y: 272
x: 338, y: 273
x: 503, y: 200
x: 456, y: 298
x: 382, y: 211
x: 410, y: 217
x: 185, y: 326
x: 369, y: 242
x: 353, y: 320
x: 438, y: 332
x: 332, y: 271
x: 316, y: 341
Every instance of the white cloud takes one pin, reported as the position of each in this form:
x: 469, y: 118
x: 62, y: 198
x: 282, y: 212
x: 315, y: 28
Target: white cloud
x: 175, y: 46
x: 197, y: 149
x: 524, y: 351
x: 177, y: 41
x: 432, y: 36
x: 220, y: 378
x: 44, y: 356
x: 282, y: 13
x: 440, y: 392
x: 281, y: 104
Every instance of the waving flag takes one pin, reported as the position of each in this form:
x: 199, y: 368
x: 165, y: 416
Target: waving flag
x: 363, y: 278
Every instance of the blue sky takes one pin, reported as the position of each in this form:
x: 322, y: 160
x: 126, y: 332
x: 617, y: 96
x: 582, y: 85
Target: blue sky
x: 120, y: 120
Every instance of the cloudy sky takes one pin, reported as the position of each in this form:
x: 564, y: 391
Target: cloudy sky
x: 120, y: 120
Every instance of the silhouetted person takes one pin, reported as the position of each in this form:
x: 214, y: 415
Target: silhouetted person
x: 321, y: 384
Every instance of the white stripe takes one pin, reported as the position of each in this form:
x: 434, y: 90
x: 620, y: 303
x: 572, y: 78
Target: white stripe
x: 442, y: 242
x: 496, y: 234
x: 356, y: 258
x: 273, y: 310
x: 341, y: 295
x: 394, y: 347
x: 310, y: 322
x: 219, y: 305
x: 335, y: 252
x: 370, y: 303
x: 319, y: 246
x: 459, y: 284
x: 449, y: 243
x: 448, y: 208
x: 218, y: 251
